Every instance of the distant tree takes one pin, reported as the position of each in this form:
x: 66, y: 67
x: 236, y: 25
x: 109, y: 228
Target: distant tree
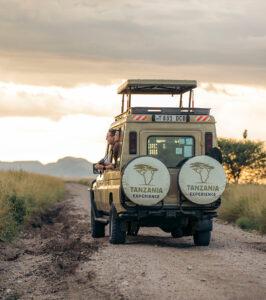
x: 245, y: 134
x: 243, y: 155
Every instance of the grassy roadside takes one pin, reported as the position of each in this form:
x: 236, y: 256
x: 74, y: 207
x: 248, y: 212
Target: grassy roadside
x: 84, y: 181
x: 23, y: 194
x: 245, y: 205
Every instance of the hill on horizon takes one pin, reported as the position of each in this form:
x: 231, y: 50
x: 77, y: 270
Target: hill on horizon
x: 68, y: 167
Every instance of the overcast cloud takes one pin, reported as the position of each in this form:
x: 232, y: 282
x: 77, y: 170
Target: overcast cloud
x: 55, y: 103
x: 68, y: 42
x: 62, y: 60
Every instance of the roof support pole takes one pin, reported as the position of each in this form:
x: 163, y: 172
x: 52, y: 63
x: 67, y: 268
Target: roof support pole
x: 123, y: 102
x: 190, y: 96
x: 180, y: 102
x: 128, y: 100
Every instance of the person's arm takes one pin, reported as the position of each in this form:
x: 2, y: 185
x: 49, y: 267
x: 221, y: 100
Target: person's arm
x: 109, y: 166
x: 99, y: 166
x: 103, y: 167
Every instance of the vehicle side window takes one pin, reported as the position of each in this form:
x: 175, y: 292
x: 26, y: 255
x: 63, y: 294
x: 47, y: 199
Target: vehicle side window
x: 116, y: 153
x: 171, y: 149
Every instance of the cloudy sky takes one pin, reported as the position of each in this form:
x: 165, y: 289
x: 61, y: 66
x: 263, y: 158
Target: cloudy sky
x: 61, y: 62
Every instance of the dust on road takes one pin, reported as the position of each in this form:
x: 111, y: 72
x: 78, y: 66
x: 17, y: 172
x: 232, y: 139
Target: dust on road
x: 55, y: 258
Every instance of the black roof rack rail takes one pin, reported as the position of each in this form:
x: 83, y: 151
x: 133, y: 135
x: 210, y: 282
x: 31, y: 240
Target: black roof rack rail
x: 169, y: 110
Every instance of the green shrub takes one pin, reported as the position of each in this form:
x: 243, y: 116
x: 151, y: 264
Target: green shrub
x: 247, y: 223
x: 17, y: 208
x: 8, y: 227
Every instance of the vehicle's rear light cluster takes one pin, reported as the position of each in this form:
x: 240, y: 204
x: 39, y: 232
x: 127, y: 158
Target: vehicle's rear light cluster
x: 208, y: 142
x: 133, y: 142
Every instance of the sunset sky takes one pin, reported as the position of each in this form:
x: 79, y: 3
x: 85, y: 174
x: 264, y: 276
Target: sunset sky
x: 62, y: 61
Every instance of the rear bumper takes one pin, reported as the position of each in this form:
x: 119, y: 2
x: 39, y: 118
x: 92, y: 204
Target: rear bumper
x: 140, y: 213
x: 161, y: 210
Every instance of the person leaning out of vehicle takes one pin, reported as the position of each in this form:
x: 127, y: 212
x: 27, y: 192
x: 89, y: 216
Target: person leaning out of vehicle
x: 112, y: 138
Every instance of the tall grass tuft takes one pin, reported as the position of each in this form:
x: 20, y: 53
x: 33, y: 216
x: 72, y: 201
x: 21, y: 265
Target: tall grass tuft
x: 245, y: 205
x: 23, y: 194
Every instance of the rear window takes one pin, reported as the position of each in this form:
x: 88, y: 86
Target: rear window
x: 171, y: 149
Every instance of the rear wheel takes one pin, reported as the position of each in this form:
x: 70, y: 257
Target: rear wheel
x: 177, y: 233
x: 117, y: 229
x: 202, y: 238
x: 132, y: 229
x: 97, y: 228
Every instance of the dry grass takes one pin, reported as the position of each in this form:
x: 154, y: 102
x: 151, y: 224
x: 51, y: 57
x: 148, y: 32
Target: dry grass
x: 23, y: 194
x: 84, y: 181
x: 245, y: 205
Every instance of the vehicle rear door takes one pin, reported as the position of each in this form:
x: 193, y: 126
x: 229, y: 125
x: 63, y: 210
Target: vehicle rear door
x: 171, y: 147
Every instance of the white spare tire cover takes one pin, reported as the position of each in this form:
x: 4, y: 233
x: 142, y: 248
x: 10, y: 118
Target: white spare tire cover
x: 145, y: 180
x: 202, y: 179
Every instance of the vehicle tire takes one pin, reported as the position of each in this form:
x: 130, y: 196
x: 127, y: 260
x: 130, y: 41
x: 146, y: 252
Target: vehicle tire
x: 177, y: 233
x: 97, y: 228
x: 202, y: 238
x: 132, y: 230
x: 117, y: 230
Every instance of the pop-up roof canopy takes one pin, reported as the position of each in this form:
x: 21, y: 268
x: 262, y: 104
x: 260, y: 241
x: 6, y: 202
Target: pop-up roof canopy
x: 147, y: 86
x: 156, y: 87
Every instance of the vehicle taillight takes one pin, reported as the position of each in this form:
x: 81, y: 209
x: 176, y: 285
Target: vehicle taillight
x: 208, y: 142
x: 133, y: 142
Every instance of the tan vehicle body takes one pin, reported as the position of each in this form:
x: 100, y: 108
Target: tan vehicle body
x: 108, y: 185
x: 169, y: 136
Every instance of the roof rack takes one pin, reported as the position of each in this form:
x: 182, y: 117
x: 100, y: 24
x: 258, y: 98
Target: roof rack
x: 159, y: 87
x: 156, y: 87
x: 164, y: 111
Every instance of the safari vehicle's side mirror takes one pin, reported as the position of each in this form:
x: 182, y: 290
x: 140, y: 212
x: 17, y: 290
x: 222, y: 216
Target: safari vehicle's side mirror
x: 95, y: 171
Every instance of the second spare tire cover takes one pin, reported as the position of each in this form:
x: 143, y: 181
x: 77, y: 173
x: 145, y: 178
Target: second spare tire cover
x: 202, y: 179
x: 145, y: 180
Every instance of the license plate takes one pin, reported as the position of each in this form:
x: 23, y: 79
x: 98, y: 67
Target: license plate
x: 170, y: 118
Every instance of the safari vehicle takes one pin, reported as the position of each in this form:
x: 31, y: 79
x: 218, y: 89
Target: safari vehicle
x: 168, y: 173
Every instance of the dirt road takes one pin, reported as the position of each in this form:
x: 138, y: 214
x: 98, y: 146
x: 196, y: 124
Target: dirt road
x: 55, y: 258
